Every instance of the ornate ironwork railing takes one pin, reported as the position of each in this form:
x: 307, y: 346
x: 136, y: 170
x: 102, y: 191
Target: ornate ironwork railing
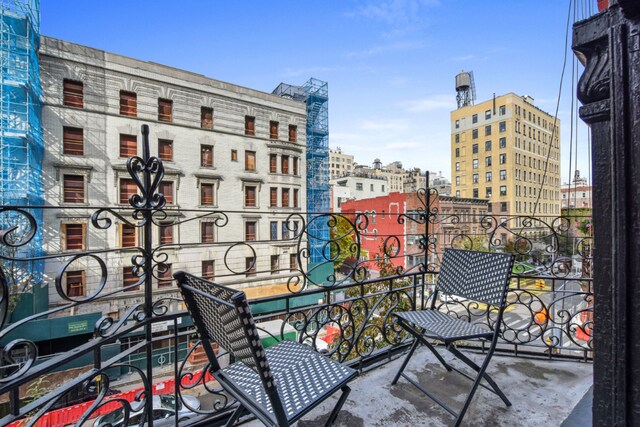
x: 112, y: 265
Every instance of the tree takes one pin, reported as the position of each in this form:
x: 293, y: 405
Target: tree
x: 342, y: 234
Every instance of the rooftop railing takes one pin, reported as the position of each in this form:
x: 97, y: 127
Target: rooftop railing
x: 125, y: 334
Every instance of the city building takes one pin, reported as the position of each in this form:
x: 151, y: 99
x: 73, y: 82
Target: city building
x: 340, y: 164
x: 356, y: 187
x: 576, y: 194
x: 507, y: 150
x: 224, y: 147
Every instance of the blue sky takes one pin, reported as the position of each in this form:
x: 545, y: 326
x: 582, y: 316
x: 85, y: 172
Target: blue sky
x: 390, y: 64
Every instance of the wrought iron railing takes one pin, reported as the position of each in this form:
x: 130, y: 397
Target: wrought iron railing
x: 142, y: 342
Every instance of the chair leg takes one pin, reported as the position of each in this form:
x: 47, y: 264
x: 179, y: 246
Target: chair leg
x: 418, y: 336
x: 406, y: 360
x: 334, y: 414
x: 476, y: 368
x: 234, y: 417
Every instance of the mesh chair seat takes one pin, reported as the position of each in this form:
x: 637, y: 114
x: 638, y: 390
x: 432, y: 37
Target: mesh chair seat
x: 443, y: 327
x: 302, y: 377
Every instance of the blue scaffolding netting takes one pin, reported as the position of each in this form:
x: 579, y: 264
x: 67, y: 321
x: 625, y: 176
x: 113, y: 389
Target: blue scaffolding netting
x: 21, y: 139
x: 316, y: 94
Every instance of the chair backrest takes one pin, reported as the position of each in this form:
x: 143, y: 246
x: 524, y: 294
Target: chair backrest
x: 222, y: 314
x: 479, y: 276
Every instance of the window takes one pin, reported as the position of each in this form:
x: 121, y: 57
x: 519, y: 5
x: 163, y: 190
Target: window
x: 273, y: 130
x: 206, y: 232
x: 457, y: 193
x: 457, y: 125
x: 475, y: 164
x: 295, y: 166
x: 73, y: 189
x: 296, y: 228
x: 128, y: 187
x: 474, y: 149
x: 166, y: 233
x: 285, y: 230
x: 474, y: 119
x: 487, y: 146
x: 206, y: 195
x: 502, y: 110
x: 234, y: 155
x: 73, y: 237
x: 250, y: 160
x: 273, y: 197
x: 72, y: 141
x: 475, y: 178
x: 208, y: 269
x: 285, y: 197
x: 475, y: 193
x: 250, y: 231
x: 457, y: 152
x: 371, y: 187
x: 503, y: 159
x: 165, y: 110
x: 128, y: 145
x: 250, y: 266
x: 503, y: 142
x: 487, y: 161
x: 503, y: 126
x: 457, y: 180
x: 75, y: 283
x: 128, y: 104
x: 206, y: 156
x: 487, y: 114
x: 284, y: 164
x: 73, y: 93
x: 206, y: 118
x: 488, y: 192
x: 249, y: 125
x: 165, y: 150
x: 273, y: 230
x: 295, y: 197
x: 474, y: 134
x: 457, y: 166
x: 293, y: 133
x: 165, y: 276
x: 503, y: 190
x: 358, y: 186
x: 273, y: 163
x: 487, y: 130
x: 128, y: 236
x: 503, y: 206
x: 129, y: 280
x: 503, y: 175
x: 488, y: 176
x: 166, y: 188
x: 250, y: 196
x: 275, y: 263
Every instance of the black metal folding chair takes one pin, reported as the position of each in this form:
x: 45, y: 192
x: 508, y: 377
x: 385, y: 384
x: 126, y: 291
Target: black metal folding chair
x: 478, y: 276
x: 277, y: 385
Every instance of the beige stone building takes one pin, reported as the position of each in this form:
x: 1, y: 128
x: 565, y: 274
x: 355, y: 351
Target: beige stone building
x: 340, y: 164
x: 506, y: 150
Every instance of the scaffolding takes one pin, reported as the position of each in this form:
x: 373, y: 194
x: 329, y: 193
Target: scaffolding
x: 316, y: 94
x: 21, y: 140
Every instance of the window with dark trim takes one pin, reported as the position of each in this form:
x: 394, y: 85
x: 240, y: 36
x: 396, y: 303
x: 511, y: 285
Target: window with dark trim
x: 166, y: 188
x: 293, y: 133
x: 285, y: 230
x: 250, y: 230
x: 285, y: 197
x: 74, y: 236
x: 165, y: 276
x: 165, y: 110
x: 129, y: 279
x: 128, y: 187
x: 273, y: 130
x: 273, y: 197
x: 206, y: 232
x: 273, y: 230
x: 295, y: 166
x: 206, y: 195
x: 206, y: 118
x: 250, y: 266
x: 72, y: 141
x: 284, y: 164
x: 295, y: 197
x: 250, y: 160
x: 166, y: 233
x: 234, y: 155
x: 250, y: 196
x: 128, y: 104
x: 275, y: 264
x: 128, y: 236
x: 273, y: 163
x: 73, y: 189
x: 73, y: 93
x: 249, y: 125
x: 128, y: 145
x: 293, y: 262
x: 75, y: 281
x: 165, y: 150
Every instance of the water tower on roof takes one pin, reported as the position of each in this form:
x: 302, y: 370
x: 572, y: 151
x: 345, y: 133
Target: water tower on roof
x: 465, y: 89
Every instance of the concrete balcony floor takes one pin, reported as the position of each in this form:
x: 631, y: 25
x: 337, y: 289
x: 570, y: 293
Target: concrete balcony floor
x: 542, y: 393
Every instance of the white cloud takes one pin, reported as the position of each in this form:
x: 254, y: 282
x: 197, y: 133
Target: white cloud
x: 431, y: 103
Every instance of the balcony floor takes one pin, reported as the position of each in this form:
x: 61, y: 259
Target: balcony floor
x: 542, y: 393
